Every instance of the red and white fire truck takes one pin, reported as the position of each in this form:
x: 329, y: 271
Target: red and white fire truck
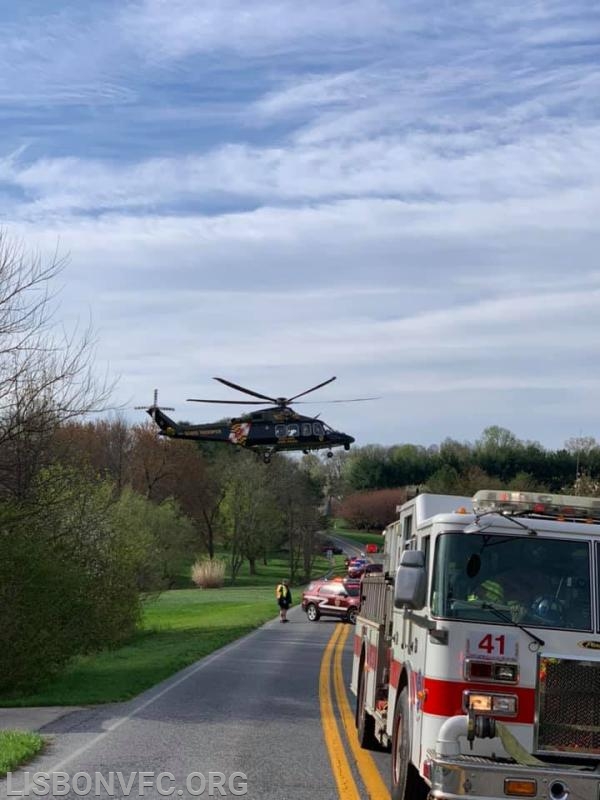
x: 477, y: 652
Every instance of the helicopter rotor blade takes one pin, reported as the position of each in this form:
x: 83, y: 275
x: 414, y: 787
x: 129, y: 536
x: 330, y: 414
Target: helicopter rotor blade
x: 308, y: 391
x: 227, y: 402
x: 350, y: 400
x: 161, y: 408
x: 246, y: 391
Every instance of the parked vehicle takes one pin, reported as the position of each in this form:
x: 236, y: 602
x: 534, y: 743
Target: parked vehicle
x: 364, y: 569
x: 477, y: 651
x: 335, y: 598
x: 371, y: 569
x: 335, y: 549
x: 367, y: 568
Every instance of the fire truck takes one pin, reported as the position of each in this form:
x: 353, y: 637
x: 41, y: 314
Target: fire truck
x: 477, y: 651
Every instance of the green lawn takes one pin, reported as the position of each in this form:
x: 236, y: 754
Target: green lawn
x: 341, y: 529
x: 178, y: 628
x: 17, y: 747
x: 268, y: 574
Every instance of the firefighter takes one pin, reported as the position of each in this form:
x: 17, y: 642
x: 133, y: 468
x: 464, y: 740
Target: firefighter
x: 502, y: 591
x: 491, y: 591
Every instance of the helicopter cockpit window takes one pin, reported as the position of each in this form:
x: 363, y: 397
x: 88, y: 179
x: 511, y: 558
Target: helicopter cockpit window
x: 306, y: 429
x: 280, y: 431
x: 292, y: 430
x: 317, y: 429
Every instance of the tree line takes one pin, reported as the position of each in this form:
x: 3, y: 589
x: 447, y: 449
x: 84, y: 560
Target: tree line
x: 372, y: 481
x: 498, y: 458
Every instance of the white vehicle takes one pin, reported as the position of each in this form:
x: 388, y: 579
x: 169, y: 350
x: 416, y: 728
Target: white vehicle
x: 477, y: 653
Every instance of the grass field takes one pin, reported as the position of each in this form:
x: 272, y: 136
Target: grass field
x: 177, y: 628
x: 267, y: 574
x: 340, y: 528
x: 17, y: 747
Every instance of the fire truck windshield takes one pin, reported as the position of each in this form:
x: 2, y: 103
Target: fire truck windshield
x: 534, y: 581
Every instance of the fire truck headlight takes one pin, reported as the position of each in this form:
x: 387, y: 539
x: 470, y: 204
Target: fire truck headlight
x: 491, y: 671
x: 479, y: 702
x: 502, y: 705
x: 506, y: 672
x: 505, y: 705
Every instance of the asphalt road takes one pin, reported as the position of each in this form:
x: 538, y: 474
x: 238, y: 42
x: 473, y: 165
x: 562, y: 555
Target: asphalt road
x: 256, y: 707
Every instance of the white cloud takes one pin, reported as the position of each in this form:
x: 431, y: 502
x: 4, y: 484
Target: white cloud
x: 180, y: 28
x: 439, y: 165
x: 278, y: 192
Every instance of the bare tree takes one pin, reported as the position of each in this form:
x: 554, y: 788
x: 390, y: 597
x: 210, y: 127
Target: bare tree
x: 103, y: 445
x: 581, y: 447
x: 46, y: 373
x: 152, y: 470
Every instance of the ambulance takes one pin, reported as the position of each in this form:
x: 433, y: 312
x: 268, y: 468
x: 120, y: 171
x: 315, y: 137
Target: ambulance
x: 477, y: 652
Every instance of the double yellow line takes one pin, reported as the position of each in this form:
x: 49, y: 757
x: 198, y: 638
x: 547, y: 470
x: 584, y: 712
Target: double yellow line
x: 340, y: 764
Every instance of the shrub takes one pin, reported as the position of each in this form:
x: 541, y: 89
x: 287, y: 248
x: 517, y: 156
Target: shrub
x: 208, y: 573
x: 38, y: 604
x: 67, y: 582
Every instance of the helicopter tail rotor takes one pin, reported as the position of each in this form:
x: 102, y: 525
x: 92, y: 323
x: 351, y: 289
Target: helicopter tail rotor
x: 154, y: 407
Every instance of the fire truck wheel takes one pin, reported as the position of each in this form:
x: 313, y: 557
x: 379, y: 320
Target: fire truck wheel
x: 351, y: 616
x: 365, y: 723
x: 312, y: 612
x: 406, y: 784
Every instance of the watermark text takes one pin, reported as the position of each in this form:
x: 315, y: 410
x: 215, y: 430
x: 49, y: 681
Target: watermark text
x: 121, y: 784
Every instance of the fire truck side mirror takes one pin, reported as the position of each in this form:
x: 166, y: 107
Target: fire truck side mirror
x: 411, y: 581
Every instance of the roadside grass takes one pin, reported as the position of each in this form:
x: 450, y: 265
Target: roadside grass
x: 16, y: 748
x: 177, y: 628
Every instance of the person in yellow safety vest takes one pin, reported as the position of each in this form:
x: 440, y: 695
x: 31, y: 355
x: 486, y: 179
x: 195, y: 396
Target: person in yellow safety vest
x: 284, y: 599
x: 489, y: 590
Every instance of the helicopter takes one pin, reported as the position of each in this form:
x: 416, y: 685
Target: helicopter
x: 264, y: 431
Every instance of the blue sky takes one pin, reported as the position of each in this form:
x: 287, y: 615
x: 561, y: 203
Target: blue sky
x: 402, y: 194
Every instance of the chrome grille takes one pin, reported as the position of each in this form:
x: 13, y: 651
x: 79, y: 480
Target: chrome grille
x: 569, y: 706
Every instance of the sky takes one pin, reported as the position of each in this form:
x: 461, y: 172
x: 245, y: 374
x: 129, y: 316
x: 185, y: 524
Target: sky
x: 402, y: 194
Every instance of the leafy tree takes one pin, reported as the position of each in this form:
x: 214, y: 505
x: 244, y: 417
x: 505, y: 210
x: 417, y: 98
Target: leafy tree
x: 298, y: 494
x: 68, y: 581
x: 366, y: 468
x: 409, y: 464
x: 155, y: 538
x: 525, y: 482
x: 458, y: 455
x: 249, y: 513
x: 448, y: 480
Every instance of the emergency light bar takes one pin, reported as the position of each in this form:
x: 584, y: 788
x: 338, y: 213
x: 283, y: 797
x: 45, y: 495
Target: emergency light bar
x: 537, y: 504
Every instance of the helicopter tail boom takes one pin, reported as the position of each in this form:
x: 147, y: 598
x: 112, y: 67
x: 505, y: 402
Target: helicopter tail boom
x: 165, y: 423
